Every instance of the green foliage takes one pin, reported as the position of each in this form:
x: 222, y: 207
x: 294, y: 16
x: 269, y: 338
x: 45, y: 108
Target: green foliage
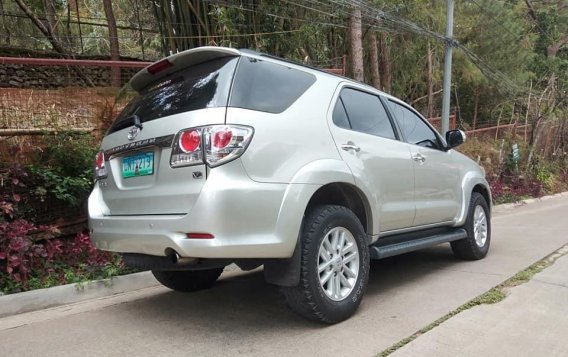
x: 70, y: 153
x: 137, y: 30
x: 551, y: 174
x: 36, y: 256
x: 64, y: 169
x: 546, y: 178
x: 71, y: 190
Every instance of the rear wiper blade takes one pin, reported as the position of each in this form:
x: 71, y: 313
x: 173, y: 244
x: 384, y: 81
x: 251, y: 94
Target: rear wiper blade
x: 136, y: 120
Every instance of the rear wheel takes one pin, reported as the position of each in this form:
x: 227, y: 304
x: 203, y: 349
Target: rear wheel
x: 334, y: 266
x: 478, y: 227
x: 187, y: 281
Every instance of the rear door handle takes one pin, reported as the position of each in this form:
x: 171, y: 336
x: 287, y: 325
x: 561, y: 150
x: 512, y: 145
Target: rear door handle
x: 350, y: 146
x: 419, y: 158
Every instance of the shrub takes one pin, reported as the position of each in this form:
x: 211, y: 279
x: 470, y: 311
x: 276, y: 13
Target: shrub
x: 32, y: 257
x: 63, y: 172
x: 36, y: 256
x: 57, y: 183
x: 512, y: 188
x: 72, y: 190
x: 68, y: 154
x: 11, y: 199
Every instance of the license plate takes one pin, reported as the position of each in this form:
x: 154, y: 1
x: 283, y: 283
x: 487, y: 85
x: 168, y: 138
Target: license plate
x: 138, y: 165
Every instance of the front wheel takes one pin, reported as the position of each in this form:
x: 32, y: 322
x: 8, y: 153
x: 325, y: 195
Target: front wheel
x: 478, y: 227
x: 187, y: 281
x: 334, y: 266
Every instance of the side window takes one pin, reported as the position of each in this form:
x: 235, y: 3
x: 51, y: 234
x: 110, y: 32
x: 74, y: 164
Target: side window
x: 413, y: 128
x: 339, y: 116
x: 366, y: 113
x: 266, y: 86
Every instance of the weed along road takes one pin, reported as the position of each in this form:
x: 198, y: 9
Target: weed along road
x: 242, y: 315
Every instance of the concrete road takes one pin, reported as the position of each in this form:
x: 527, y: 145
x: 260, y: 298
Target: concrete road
x: 244, y: 316
x: 531, y: 321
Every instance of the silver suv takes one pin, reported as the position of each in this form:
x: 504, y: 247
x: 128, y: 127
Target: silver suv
x: 232, y: 156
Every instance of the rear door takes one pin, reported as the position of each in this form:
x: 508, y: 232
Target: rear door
x: 367, y: 142
x: 139, y: 144
x: 437, y: 183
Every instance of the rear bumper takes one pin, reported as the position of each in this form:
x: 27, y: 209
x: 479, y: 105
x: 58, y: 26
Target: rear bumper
x: 248, y: 219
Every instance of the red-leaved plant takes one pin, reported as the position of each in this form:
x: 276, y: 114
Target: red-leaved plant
x: 510, y: 188
x: 36, y: 256
x: 32, y: 257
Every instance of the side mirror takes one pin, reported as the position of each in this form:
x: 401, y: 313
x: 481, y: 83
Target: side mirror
x: 454, y: 138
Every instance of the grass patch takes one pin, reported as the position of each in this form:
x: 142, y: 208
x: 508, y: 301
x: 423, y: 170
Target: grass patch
x: 492, y: 296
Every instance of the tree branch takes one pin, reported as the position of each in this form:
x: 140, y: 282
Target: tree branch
x: 423, y: 97
x: 532, y: 13
x: 46, y: 31
x: 554, y: 48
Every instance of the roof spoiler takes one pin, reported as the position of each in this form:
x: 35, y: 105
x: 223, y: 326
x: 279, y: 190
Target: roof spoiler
x: 175, y: 62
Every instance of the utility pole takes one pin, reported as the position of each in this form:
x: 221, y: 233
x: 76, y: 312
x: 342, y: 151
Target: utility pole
x: 448, y: 68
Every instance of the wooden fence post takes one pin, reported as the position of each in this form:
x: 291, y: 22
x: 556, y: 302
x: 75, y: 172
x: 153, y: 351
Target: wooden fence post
x: 454, y: 120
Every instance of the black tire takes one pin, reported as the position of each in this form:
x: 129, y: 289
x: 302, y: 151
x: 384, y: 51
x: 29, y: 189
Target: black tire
x: 308, y: 298
x: 187, y: 281
x: 468, y: 248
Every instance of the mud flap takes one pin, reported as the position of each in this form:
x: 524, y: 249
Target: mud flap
x: 284, y: 272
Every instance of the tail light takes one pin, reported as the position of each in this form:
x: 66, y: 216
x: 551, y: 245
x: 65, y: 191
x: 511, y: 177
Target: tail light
x: 224, y: 143
x: 187, y: 148
x: 190, y: 141
x: 213, y: 145
x: 100, y: 168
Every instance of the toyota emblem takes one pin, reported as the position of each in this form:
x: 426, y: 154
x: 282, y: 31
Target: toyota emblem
x: 133, y: 132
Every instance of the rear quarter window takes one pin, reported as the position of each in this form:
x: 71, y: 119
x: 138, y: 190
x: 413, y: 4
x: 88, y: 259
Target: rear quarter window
x: 266, y: 86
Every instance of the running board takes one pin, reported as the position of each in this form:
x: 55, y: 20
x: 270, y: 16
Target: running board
x: 380, y: 252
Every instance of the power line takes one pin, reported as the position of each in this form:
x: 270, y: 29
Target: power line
x: 340, y: 9
x: 489, y: 71
x: 227, y: 4
x: 179, y: 36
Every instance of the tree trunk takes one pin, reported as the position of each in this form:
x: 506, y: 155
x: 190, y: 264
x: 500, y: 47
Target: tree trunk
x: 49, y: 7
x: 113, y: 39
x: 430, y: 80
x: 4, y: 25
x: 537, y: 130
x: 385, y: 65
x: 475, y: 106
x: 374, y: 57
x: 355, y: 36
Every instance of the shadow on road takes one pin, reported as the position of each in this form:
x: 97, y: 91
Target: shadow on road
x: 247, y: 302
x: 244, y: 315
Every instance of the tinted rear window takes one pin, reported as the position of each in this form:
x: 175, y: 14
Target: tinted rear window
x: 266, y: 86
x: 205, y: 85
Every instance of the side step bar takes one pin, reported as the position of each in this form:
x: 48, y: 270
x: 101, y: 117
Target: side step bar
x: 380, y: 252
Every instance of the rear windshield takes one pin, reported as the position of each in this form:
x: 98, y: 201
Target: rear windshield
x: 205, y: 85
x: 266, y: 86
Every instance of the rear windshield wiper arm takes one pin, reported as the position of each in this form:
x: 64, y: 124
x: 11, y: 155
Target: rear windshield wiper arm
x: 136, y: 119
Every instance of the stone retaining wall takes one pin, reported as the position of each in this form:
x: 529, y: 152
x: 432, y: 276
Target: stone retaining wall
x: 43, y: 77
